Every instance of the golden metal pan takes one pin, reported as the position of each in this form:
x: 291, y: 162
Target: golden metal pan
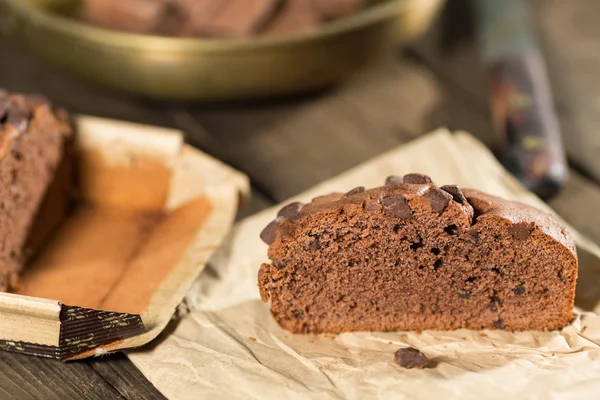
x: 217, y: 69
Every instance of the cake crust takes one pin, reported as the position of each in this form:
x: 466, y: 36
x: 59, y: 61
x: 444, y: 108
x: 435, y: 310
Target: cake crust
x: 412, y: 256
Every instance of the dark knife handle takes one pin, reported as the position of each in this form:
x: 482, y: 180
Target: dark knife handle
x: 525, y: 123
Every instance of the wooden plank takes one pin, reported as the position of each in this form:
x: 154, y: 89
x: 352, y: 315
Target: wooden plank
x: 27, y: 377
x: 286, y: 147
x: 125, y: 378
x: 578, y: 205
x: 22, y: 72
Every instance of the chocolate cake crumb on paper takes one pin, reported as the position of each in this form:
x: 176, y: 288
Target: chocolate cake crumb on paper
x: 411, y: 358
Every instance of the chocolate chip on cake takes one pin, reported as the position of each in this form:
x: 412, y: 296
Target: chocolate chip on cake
x: 372, y: 205
x: 416, y: 257
x: 18, y: 117
x: 416, y: 179
x: 291, y: 210
x: 438, y: 199
x: 268, y: 234
x: 411, y: 358
x: 397, y: 207
x: 455, y: 192
x: 354, y: 191
x: 394, y: 180
x: 521, y: 230
x: 499, y: 324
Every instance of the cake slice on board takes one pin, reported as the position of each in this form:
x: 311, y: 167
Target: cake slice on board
x: 413, y: 256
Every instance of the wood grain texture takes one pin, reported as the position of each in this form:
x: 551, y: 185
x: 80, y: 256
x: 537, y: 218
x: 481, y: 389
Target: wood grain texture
x: 122, y: 375
x: 27, y: 377
x: 287, y: 145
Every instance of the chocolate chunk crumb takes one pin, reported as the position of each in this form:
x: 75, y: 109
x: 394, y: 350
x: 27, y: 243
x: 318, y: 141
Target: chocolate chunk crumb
x: 499, y: 324
x: 464, y: 294
x: 438, y: 199
x: 417, y: 179
x: 291, y: 210
x: 410, y: 358
x: 520, y: 289
x: 455, y: 192
x: 451, y: 229
x: 18, y: 117
x: 521, y: 230
x: 394, y: 180
x: 315, y: 244
x: 354, y: 191
x: 397, y: 207
x: 278, y: 265
x: 268, y: 234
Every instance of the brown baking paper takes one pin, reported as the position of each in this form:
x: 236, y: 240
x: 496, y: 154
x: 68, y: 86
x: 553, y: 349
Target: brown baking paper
x: 152, y: 212
x: 229, y: 347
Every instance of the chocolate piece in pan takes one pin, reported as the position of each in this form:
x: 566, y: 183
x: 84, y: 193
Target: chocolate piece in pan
x: 240, y: 18
x: 294, y: 16
x: 329, y: 9
x: 139, y: 16
x: 194, y: 15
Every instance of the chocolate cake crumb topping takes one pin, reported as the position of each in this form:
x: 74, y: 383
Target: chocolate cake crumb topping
x: 411, y: 358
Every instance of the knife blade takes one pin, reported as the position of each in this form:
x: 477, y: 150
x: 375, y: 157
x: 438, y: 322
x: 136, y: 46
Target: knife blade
x: 525, y: 123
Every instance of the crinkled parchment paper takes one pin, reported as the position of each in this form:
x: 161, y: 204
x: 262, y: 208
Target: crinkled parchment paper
x: 229, y: 347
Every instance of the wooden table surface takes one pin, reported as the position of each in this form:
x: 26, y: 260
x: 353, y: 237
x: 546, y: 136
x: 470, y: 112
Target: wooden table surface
x: 287, y: 146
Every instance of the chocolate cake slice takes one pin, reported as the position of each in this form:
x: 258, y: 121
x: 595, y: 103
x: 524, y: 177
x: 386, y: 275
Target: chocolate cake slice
x: 32, y: 138
x: 411, y: 256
